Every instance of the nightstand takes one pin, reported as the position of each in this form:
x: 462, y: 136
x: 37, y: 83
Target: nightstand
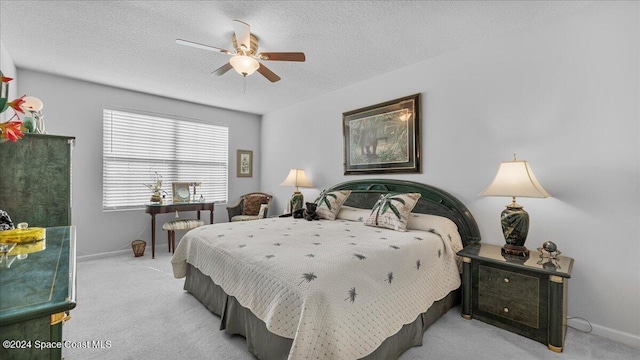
x: 524, y: 296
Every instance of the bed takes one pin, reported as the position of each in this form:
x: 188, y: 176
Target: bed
x: 333, y: 289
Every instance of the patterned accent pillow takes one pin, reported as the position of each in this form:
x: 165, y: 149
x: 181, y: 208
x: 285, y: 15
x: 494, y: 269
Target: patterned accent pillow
x: 251, y: 205
x: 392, y: 211
x: 329, y: 203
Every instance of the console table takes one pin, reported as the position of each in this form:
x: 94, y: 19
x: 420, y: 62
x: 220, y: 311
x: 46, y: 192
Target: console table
x: 38, y: 287
x: 153, y: 209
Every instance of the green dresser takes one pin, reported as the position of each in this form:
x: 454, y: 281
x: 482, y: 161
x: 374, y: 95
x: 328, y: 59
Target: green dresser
x: 35, y: 180
x: 36, y: 294
x: 527, y: 296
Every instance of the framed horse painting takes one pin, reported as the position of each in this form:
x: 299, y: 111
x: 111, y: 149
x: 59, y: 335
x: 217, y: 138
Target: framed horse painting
x: 383, y: 138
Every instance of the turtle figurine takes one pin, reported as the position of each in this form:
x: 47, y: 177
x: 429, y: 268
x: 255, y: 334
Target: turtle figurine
x: 550, y: 248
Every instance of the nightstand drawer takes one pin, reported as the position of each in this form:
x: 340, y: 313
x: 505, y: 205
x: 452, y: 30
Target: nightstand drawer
x: 509, y: 295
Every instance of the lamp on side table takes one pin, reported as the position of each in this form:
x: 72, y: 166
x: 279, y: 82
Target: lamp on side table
x: 515, y: 179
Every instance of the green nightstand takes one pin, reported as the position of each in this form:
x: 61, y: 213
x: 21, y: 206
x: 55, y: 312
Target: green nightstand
x: 524, y: 296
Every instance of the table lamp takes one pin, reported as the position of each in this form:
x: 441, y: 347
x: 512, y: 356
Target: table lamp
x: 298, y: 179
x: 515, y: 179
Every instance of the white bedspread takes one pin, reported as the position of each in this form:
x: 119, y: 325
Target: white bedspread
x: 338, y: 288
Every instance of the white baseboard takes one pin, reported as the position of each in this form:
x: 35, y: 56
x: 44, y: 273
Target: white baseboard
x: 102, y: 255
x: 615, y: 335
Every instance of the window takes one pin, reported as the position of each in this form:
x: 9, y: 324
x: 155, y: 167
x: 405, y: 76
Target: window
x: 135, y: 146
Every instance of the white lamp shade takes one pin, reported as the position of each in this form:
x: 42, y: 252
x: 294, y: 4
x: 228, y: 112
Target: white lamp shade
x: 297, y: 178
x: 32, y: 103
x: 244, y: 65
x: 515, y: 179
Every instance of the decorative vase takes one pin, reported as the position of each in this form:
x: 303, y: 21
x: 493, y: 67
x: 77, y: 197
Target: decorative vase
x: 30, y: 125
x: 155, y: 198
x: 515, y: 227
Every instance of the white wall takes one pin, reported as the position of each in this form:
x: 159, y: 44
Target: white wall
x: 9, y: 70
x: 563, y: 95
x: 74, y: 108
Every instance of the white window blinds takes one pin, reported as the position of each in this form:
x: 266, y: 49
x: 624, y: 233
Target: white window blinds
x: 135, y: 146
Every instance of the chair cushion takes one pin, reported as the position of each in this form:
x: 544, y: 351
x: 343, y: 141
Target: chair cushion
x: 182, y: 224
x: 251, y: 204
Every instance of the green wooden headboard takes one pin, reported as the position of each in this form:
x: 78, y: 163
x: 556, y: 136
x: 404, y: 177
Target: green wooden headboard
x: 365, y: 193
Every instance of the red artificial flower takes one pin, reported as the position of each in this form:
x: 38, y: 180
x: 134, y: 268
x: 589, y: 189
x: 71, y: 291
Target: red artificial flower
x: 6, y: 79
x: 11, y: 130
x: 15, y: 104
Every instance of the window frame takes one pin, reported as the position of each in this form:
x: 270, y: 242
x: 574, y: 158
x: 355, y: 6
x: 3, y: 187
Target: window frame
x: 138, y: 144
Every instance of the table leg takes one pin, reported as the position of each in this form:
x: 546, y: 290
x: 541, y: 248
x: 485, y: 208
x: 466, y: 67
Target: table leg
x: 211, y: 217
x: 153, y: 236
x: 466, y: 288
x: 198, y: 214
x: 557, y: 313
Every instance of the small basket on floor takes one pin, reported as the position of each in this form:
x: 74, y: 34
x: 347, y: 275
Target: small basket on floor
x: 138, y: 247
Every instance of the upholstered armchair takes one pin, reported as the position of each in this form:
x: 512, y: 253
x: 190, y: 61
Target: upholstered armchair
x: 251, y: 206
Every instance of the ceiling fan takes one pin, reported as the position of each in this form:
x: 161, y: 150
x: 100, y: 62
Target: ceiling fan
x: 245, y: 58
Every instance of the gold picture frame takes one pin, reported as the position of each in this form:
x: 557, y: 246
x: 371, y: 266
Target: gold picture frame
x: 245, y: 163
x: 383, y: 138
x: 180, y: 192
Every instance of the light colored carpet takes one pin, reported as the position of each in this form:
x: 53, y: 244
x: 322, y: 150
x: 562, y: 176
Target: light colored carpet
x: 133, y: 308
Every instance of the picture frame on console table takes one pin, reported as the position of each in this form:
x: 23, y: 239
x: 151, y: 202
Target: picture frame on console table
x: 383, y: 138
x: 181, y: 192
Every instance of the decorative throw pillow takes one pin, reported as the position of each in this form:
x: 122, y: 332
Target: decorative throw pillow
x: 329, y: 203
x: 392, y: 211
x: 263, y: 211
x: 251, y: 205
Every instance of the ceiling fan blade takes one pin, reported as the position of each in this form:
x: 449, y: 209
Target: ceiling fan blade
x: 282, y: 56
x: 222, y: 69
x: 202, y: 46
x: 270, y: 75
x: 243, y: 34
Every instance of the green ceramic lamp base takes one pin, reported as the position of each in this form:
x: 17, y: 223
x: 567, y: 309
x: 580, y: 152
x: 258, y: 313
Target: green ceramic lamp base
x: 296, y: 201
x: 515, y: 227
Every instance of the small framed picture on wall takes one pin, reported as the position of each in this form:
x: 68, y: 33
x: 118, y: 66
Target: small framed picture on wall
x: 245, y: 163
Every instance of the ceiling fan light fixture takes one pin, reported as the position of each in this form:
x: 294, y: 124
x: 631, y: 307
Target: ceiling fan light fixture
x: 244, y: 65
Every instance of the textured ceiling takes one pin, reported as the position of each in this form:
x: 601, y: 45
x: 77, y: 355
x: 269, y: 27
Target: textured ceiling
x: 131, y: 44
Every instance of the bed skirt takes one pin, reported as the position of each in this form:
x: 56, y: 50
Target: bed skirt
x: 238, y: 320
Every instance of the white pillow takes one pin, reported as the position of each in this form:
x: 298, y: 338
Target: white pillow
x: 329, y: 203
x: 353, y: 213
x: 263, y: 209
x: 427, y: 222
x: 392, y: 211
